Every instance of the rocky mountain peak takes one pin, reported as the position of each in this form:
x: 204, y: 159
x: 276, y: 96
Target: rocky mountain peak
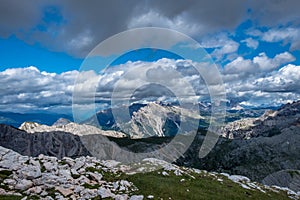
x: 70, y: 127
x: 61, y: 122
x: 29, y: 125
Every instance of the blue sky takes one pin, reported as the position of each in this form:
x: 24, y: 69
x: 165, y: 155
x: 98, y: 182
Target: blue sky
x: 255, y: 45
x: 18, y: 53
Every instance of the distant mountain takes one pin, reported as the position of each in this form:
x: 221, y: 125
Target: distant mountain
x: 163, y: 119
x: 272, y: 122
x: 258, y: 147
x: 64, y: 125
x: 254, y: 147
x: 16, y: 119
x: 148, y: 120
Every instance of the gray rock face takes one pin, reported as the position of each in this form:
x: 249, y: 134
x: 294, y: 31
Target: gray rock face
x: 104, y: 193
x: 269, y: 124
x: 61, y: 122
x: 255, y: 158
x: 284, y: 178
x: 148, y: 120
x: 31, y: 172
x: 23, y: 184
x: 58, y: 144
x: 75, y: 129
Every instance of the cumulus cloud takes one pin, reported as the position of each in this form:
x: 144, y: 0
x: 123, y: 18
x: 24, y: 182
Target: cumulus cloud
x: 35, y: 90
x: 29, y: 89
x: 267, y: 88
x: 285, y: 80
x: 173, y: 75
x: 222, y: 44
x: 251, y: 43
x: 286, y: 35
x: 260, y: 63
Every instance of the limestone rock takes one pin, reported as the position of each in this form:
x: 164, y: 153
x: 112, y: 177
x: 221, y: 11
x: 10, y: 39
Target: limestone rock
x: 104, y: 193
x: 137, y: 197
x: 23, y: 184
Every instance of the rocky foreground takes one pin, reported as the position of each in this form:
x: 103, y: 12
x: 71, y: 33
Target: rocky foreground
x: 44, y: 177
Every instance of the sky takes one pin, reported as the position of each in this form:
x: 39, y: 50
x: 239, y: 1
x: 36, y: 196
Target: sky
x: 254, y: 44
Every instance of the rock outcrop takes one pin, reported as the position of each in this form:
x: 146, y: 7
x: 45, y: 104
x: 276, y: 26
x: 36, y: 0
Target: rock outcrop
x: 46, y: 177
x: 269, y: 124
x: 255, y: 158
x: 61, y: 144
x: 70, y: 127
x: 284, y: 178
x: 56, y: 143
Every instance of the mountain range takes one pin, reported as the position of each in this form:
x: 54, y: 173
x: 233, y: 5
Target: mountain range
x: 16, y: 119
x: 265, y: 148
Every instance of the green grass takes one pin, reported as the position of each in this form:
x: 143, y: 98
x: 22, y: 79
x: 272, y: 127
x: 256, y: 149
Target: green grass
x: 10, y: 197
x: 33, y: 197
x: 43, y: 168
x: 4, y: 174
x: 293, y: 173
x: 203, y: 187
x: 75, y: 176
x: 51, y: 192
x: 62, y: 162
x: 107, y: 176
x: 89, y: 186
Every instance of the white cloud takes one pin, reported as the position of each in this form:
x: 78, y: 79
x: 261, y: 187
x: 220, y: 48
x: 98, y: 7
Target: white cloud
x: 30, y: 89
x: 288, y: 35
x: 240, y: 65
x: 285, y: 80
x: 230, y: 47
x: 251, y: 43
x: 266, y: 88
x: 221, y: 43
x: 156, y: 19
x: 267, y: 64
x: 260, y: 63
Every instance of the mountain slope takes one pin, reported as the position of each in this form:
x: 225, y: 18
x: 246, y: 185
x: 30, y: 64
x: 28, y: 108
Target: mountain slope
x: 148, y: 120
x: 57, y: 143
x: 91, y: 178
x: 269, y: 124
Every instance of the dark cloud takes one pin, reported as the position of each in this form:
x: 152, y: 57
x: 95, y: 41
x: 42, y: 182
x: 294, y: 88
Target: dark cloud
x: 77, y: 26
x: 17, y: 17
x: 275, y: 12
x: 212, y: 14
